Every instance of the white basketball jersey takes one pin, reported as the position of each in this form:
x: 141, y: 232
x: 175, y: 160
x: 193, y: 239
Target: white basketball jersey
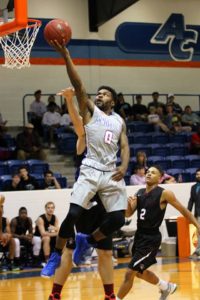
x: 102, y: 137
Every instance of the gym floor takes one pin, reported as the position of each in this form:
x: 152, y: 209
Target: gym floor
x: 84, y: 283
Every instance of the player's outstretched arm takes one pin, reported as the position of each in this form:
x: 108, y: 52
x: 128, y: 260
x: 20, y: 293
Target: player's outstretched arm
x: 86, y: 106
x: 171, y: 199
x: 76, y: 119
x: 125, y: 155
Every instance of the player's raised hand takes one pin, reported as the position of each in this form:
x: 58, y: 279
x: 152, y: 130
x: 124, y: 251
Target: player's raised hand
x: 119, y: 174
x: 59, y: 48
x: 68, y: 93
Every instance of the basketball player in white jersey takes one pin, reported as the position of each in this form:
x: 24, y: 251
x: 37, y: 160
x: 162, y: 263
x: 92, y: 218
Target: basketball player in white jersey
x: 104, y: 130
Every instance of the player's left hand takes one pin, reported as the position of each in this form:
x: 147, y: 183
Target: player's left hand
x: 119, y: 174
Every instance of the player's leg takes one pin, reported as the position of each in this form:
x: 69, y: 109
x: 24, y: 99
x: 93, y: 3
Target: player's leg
x: 87, y: 223
x: 62, y: 273
x: 126, y: 284
x: 106, y: 272
x: 114, y: 199
x: 166, y: 288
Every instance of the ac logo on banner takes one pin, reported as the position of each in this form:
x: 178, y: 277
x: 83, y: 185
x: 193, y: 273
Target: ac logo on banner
x: 180, y: 40
x: 172, y: 40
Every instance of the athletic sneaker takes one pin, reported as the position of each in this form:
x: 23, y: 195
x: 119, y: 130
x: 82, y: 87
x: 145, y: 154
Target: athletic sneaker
x: 111, y: 297
x: 81, y: 246
x: 51, y: 266
x: 54, y: 297
x: 170, y: 290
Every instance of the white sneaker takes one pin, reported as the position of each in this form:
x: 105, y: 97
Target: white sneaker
x: 170, y: 290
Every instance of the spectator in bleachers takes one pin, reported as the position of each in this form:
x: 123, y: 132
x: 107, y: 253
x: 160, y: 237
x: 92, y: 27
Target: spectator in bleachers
x: 66, y: 123
x: 154, y: 119
x: 166, y: 178
x: 139, y: 111
x: 195, y: 201
x: 51, y: 121
x: 177, y: 127
x: 29, y: 144
x: 171, y: 116
x: 12, y: 186
x: 141, y: 160
x: 8, y: 244
x: 155, y: 103
x: 124, y: 108
x: 46, y: 230
x: 195, y: 142
x: 37, y: 109
x: 50, y: 181
x: 190, y: 118
x: 22, y: 232
x: 139, y: 176
x: 27, y: 182
x: 176, y: 107
x: 52, y: 99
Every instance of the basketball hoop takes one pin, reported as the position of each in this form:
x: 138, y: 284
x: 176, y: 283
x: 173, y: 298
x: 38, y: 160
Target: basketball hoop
x: 17, y: 45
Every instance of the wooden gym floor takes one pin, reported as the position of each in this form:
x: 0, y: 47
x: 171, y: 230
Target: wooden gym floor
x: 84, y: 283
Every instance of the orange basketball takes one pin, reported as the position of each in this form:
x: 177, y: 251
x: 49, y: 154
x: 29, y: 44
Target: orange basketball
x: 58, y: 30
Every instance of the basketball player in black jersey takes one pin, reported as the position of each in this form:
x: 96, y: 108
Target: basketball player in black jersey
x: 150, y: 203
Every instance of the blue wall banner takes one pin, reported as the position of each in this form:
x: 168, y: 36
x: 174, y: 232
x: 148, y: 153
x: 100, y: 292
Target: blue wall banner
x: 170, y: 44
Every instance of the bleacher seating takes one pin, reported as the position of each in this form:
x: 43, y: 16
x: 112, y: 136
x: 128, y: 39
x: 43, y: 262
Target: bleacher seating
x: 14, y: 165
x: 171, y: 152
x: 37, y: 166
x: 66, y: 143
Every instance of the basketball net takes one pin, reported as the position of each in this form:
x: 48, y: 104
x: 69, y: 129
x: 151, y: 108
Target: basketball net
x: 17, y: 45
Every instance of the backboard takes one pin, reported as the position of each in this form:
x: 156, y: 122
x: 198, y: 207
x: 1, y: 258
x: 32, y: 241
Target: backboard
x: 19, y: 18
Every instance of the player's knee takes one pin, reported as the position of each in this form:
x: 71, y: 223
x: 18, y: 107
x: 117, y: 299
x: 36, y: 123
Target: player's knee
x: 129, y: 276
x: 115, y: 220
x: 67, y: 226
x: 104, y: 254
x: 118, y: 217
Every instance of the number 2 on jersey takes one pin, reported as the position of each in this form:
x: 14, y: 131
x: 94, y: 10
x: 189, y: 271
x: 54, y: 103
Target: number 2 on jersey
x: 108, y: 137
x: 142, y: 214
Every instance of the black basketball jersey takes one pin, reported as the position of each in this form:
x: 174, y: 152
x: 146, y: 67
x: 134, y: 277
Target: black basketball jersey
x: 149, y: 213
x: 3, y: 224
x: 47, y: 223
x: 22, y: 226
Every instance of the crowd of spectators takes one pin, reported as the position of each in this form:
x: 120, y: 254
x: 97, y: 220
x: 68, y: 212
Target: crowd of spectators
x: 45, y: 121
x: 28, y: 243
x: 23, y: 181
x: 166, y: 116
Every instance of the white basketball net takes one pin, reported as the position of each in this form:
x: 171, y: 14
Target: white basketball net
x: 17, y: 47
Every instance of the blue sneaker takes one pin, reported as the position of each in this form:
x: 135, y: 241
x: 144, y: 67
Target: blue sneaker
x: 82, y: 245
x: 51, y: 266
